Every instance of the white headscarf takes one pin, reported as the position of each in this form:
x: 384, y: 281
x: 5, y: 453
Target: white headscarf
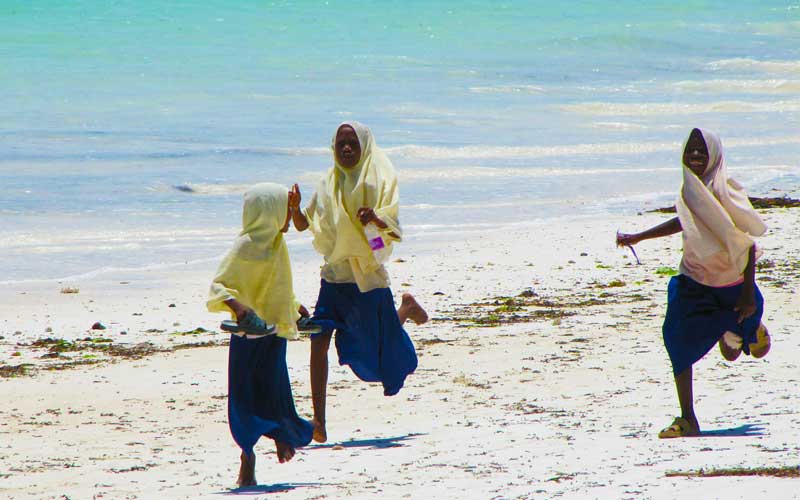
x: 717, y: 219
x: 333, y: 212
x: 257, y: 271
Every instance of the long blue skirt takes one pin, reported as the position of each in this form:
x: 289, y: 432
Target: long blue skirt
x: 698, y: 315
x: 369, y: 336
x: 260, y: 399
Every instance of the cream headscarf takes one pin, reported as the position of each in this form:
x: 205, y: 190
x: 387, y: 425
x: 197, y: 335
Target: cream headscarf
x: 257, y: 271
x: 333, y: 214
x: 718, y: 221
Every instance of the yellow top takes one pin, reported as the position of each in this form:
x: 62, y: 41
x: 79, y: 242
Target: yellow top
x: 257, y: 271
x: 333, y: 214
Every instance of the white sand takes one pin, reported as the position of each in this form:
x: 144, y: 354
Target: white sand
x: 566, y: 408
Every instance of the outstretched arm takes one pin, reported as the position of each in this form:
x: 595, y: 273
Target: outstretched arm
x: 672, y: 226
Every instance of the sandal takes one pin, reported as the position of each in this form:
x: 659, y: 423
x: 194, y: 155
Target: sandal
x: 250, y: 324
x: 680, y: 427
x: 763, y: 342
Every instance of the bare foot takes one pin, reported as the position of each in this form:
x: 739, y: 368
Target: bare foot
x: 729, y: 352
x: 320, y: 433
x: 247, y: 471
x: 410, y: 309
x: 284, y: 451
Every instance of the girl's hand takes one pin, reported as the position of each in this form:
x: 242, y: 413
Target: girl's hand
x: 367, y: 215
x: 294, y: 198
x: 303, y: 311
x: 746, y: 305
x: 624, y: 239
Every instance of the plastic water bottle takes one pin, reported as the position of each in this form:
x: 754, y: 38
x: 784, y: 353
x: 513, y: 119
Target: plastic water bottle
x: 376, y: 243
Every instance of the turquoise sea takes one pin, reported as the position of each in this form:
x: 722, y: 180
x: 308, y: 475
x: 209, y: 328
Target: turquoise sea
x: 129, y: 128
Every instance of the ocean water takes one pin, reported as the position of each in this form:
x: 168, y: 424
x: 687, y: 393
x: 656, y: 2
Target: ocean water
x: 130, y: 128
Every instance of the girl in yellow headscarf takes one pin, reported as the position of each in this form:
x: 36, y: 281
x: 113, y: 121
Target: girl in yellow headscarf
x: 254, y: 285
x: 354, y: 215
x: 715, y: 298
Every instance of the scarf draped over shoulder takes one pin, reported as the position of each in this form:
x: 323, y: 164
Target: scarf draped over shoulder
x: 333, y: 211
x: 718, y: 221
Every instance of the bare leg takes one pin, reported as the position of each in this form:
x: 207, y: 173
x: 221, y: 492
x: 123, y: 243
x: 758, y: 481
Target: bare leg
x: 284, y: 451
x: 319, y: 383
x: 247, y: 471
x: 410, y: 309
x: 683, y: 383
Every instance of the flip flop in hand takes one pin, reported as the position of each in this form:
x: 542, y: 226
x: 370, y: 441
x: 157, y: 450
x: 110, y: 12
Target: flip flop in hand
x: 250, y: 324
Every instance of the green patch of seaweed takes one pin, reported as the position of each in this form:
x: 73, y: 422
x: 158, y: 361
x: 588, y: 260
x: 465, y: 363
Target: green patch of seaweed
x: 666, y: 271
x: 20, y: 370
x: 91, y: 351
x: 197, y: 331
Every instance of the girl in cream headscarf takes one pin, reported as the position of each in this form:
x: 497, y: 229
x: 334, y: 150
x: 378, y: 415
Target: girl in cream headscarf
x: 254, y: 285
x: 359, y: 193
x: 714, y: 299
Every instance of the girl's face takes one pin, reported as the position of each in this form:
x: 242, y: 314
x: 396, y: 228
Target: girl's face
x: 347, y: 148
x: 695, y: 156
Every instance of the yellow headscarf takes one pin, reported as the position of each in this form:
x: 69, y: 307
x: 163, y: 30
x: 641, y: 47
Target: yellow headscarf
x: 333, y: 217
x: 717, y: 220
x: 257, y: 271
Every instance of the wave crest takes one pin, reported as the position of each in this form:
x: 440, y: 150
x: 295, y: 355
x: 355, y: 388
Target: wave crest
x: 742, y: 63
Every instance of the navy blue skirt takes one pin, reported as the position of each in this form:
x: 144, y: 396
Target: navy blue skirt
x: 260, y: 401
x: 369, y: 336
x: 698, y: 315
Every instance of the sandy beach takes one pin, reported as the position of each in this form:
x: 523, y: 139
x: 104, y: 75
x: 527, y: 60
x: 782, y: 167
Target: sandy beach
x: 542, y: 374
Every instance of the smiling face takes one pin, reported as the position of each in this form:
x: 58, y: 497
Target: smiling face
x: 695, y: 156
x: 347, y: 148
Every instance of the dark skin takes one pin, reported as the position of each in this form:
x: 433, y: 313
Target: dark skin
x: 696, y: 157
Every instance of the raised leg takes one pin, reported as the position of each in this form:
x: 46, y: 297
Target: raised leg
x: 284, y: 451
x: 410, y: 309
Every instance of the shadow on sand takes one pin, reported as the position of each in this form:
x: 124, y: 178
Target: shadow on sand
x: 267, y: 488
x: 370, y: 444
x: 746, y: 430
